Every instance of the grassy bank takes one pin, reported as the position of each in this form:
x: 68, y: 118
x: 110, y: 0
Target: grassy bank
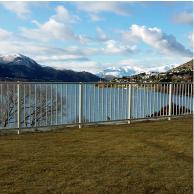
x: 140, y: 158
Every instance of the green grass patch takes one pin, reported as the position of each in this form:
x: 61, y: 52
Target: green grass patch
x: 140, y: 158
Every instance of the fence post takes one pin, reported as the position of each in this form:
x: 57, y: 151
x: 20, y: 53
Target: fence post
x: 80, y: 104
x: 170, y: 101
x: 18, y: 108
x: 129, y: 105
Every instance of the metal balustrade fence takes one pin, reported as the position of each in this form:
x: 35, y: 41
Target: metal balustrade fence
x: 35, y: 104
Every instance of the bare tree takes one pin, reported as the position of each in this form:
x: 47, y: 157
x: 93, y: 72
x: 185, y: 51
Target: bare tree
x: 40, y: 104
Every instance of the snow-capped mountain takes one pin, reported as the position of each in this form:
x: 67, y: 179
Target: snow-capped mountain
x: 120, y: 71
x: 20, y: 67
x: 131, y: 70
x: 17, y: 59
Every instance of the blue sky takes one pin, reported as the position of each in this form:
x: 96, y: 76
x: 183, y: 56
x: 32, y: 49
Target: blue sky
x: 93, y: 36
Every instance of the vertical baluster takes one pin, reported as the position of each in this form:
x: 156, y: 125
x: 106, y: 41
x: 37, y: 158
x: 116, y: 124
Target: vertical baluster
x: 107, y: 113
x: 161, y: 99
x: 137, y: 100
x: 170, y: 100
x: 125, y: 101
x: 182, y: 99
x: 122, y: 99
x: 102, y: 97
x: 56, y: 98
x: 164, y: 96
x: 140, y: 99
x: 75, y: 102
x: 18, y: 107
x: 118, y: 102
x: 98, y: 102
x: 150, y: 101
x: 70, y: 104
x: 66, y: 103
x: 188, y: 97
x: 180, y: 90
x: 185, y: 98
x: 147, y: 98
x: 51, y: 104
x: 80, y: 104
x: 191, y: 97
x: 173, y: 97
x: 89, y: 108
x: 40, y: 104
x: 143, y: 101
x: 24, y: 101
x: 182, y: 94
x: 46, y: 105
x: 129, y: 104
x: 1, y: 102
x: 154, y: 100
x: 158, y: 99
x: 35, y: 105
x: 177, y: 101
x: 85, y: 104
x: 111, y: 102
x: 94, y: 104
x: 62, y: 103
x: 167, y: 93
x: 29, y: 104
x: 7, y: 104
x: 114, y: 101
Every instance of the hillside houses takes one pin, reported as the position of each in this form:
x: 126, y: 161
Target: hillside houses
x: 182, y: 73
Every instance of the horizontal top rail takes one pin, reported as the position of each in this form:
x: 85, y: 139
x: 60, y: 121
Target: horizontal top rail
x: 37, y: 82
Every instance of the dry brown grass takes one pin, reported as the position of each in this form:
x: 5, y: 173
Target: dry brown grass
x: 141, y: 158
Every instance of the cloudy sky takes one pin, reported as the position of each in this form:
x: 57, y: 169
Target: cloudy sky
x: 92, y: 36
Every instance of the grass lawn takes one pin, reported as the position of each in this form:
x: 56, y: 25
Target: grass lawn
x: 140, y: 158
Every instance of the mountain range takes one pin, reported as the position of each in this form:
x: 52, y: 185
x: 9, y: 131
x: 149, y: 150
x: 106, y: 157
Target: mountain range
x: 126, y: 71
x: 113, y: 72
x: 20, y: 67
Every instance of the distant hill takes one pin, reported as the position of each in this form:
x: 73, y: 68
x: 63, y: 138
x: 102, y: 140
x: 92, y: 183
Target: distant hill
x: 20, y: 67
x: 184, y: 67
x: 182, y: 73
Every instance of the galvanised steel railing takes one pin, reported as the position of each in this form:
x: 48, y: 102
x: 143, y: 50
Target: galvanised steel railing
x: 44, y: 104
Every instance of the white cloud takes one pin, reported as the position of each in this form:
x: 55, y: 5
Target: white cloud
x: 4, y: 34
x: 102, y: 6
x: 95, y: 17
x: 56, y: 28
x: 112, y: 46
x: 191, y: 39
x: 101, y: 35
x: 159, y: 40
x: 115, y: 47
x: 183, y: 18
x: 20, y: 8
x: 89, y: 66
x: 127, y: 36
x: 94, y: 8
x: 50, y: 30
x: 162, y: 68
x: 62, y: 15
